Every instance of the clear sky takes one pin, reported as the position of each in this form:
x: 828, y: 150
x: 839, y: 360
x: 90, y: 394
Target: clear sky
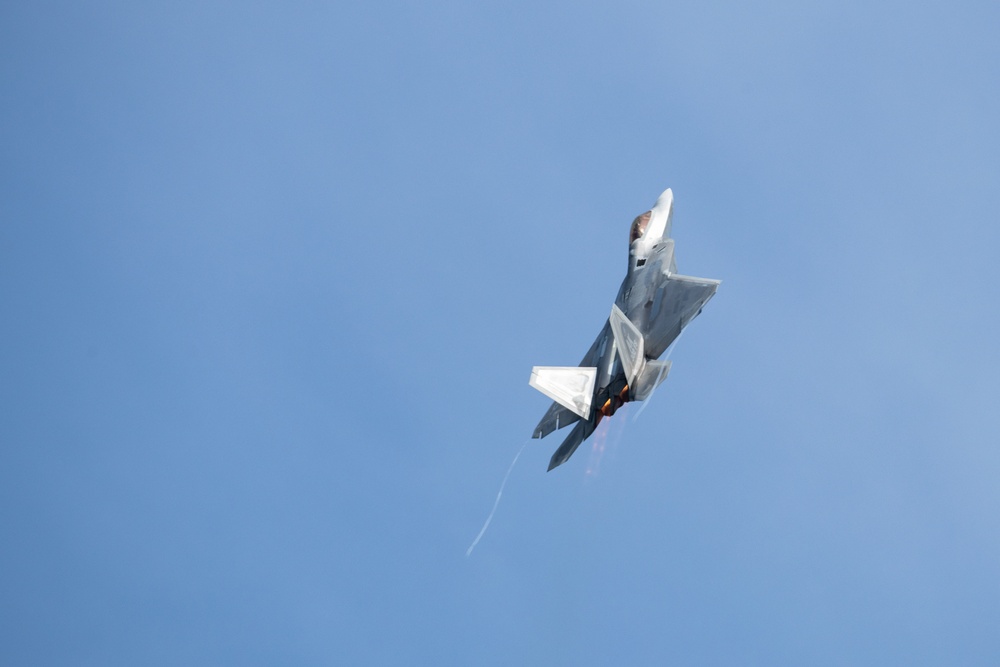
x: 273, y: 277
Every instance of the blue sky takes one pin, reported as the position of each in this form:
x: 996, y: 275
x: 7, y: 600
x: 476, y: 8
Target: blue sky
x: 273, y: 278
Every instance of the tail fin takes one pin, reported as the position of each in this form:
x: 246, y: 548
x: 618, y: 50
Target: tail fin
x: 570, y: 386
x: 644, y: 375
x: 630, y: 343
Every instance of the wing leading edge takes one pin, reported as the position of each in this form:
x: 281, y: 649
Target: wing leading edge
x: 678, y: 301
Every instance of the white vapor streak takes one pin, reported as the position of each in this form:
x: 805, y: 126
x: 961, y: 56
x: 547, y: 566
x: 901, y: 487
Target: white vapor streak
x: 496, y: 502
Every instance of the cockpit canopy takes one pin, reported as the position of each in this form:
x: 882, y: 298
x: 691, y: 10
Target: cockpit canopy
x: 639, y: 227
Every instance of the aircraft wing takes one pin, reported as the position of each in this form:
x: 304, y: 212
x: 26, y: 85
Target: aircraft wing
x: 557, y: 415
x: 678, y: 300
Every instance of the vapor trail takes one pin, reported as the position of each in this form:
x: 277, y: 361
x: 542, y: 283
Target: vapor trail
x: 496, y: 502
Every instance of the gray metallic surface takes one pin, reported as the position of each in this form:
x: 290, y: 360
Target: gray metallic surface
x: 659, y: 304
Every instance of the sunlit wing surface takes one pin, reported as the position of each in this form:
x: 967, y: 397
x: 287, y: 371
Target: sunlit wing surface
x: 678, y: 301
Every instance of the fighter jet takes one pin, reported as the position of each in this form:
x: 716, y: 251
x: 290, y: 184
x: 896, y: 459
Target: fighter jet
x: 653, y: 306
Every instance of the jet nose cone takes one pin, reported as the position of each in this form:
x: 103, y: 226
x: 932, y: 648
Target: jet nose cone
x: 665, y: 200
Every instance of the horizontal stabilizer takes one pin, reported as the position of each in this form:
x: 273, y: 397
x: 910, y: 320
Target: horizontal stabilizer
x: 652, y: 375
x: 571, y: 386
x: 579, y: 433
x: 555, y: 418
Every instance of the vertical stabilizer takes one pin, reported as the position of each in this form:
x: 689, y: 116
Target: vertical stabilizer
x: 629, y: 342
x: 569, y: 386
